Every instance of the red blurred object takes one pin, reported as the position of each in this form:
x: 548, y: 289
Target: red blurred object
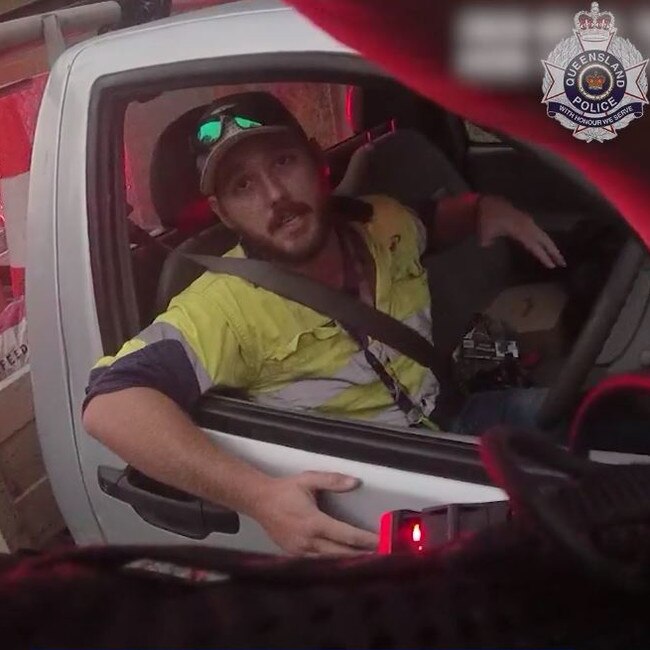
x: 385, y: 533
x: 531, y: 359
x: 196, y: 216
x: 348, y: 106
x: 410, y: 40
x: 16, y: 142
x: 18, y: 113
x: 17, y: 275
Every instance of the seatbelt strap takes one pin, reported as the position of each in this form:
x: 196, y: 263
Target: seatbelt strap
x: 349, y: 311
x: 357, y: 317
x: 355, y: 283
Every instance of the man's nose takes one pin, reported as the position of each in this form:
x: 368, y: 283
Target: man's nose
x: 274, y: 188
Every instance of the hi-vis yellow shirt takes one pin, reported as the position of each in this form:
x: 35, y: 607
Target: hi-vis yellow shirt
x: 224, y: 331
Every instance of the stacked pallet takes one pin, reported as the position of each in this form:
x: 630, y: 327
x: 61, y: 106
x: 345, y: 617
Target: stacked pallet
x: 29, y: 516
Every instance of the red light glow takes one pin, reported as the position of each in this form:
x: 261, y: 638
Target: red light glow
x: 385, y: 533
x: 401, y: 531
x: 348, y: 106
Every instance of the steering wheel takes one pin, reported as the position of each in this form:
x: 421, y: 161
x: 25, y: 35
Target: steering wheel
x: 563, y: 394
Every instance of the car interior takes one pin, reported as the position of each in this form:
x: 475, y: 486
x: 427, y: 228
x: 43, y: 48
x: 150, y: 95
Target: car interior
x: 411, y: 149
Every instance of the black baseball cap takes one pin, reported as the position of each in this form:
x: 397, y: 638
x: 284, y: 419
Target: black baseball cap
x: 234, y: 118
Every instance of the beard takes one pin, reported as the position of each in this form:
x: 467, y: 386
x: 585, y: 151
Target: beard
x: 336, y: 211
x: 263, y: 249
x: 258, y: 247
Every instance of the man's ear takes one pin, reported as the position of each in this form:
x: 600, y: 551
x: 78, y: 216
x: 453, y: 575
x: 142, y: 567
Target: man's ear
x: 216, y: 208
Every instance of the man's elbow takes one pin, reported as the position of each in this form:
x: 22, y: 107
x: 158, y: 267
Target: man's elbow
x: 88, y: 417
x: 106, y: 415
x: 91, y: 417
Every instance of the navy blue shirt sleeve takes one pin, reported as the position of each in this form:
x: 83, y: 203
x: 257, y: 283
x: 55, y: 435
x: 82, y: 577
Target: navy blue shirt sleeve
x: 163, y: 366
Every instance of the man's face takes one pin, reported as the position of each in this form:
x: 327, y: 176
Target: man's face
x: 271, y: 190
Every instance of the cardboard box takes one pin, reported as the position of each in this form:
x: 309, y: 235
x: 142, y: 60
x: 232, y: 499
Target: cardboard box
x: 535, y: 312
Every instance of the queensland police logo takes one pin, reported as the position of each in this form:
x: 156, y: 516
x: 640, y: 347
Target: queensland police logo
x: 595, y: 82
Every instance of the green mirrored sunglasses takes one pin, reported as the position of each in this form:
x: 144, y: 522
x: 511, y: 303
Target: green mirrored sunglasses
x: 211, y: 131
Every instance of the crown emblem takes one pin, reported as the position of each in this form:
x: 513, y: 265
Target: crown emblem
x: 595, y: 25
x: 595, y: 81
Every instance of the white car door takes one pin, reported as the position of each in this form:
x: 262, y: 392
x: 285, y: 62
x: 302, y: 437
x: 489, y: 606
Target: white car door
x: 398, y: 471
x: 83, y: 300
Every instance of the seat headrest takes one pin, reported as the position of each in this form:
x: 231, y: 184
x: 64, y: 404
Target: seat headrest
x: 174, y: 178
x: 178, y: 272
x: 403, y: 164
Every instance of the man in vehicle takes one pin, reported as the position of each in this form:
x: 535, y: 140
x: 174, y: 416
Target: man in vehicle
x: 267, y: 181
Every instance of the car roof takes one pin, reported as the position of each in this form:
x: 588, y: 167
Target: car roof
x: 226, y: 9
x: 239, y: 28
x: 242, y: 8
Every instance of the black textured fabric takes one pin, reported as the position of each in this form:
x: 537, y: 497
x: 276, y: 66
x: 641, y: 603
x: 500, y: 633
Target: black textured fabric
x: 504, y: 589
x: 542, y: 579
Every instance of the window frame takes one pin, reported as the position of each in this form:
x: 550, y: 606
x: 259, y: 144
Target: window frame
x: 113, y: 280
x: 443, y: 455
x: 472, y: 142
x: 115, y: 299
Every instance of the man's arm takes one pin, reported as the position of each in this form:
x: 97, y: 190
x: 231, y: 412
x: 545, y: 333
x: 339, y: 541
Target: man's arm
x: 452, y: 219
x: 151, y: 433
x: 137, y: 403
x: 449, y: 220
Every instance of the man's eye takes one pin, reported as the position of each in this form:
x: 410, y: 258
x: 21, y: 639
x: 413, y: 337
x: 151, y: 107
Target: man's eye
x: 285, y: 159
x: 242, y: 184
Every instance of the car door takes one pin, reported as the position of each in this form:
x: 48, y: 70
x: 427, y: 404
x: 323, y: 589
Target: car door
x: 397, y: 470
x: 97, y: 305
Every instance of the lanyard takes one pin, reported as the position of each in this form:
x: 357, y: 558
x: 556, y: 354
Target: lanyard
x: 353, y: 281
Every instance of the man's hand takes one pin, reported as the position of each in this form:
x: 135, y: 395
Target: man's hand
x: 289, y: 513
x: 499, y: 218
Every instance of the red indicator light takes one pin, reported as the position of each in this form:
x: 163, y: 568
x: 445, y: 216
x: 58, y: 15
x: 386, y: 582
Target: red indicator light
x: 401, y: 531
x: 385, y: 533
x: 417, y: 536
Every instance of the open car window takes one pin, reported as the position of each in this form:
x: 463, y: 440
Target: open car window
x: 126, y: 271
x: 319, y: 107
x: 141, y: 142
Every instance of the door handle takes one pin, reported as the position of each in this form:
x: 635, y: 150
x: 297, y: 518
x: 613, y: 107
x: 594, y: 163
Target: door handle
x: 166, y: 507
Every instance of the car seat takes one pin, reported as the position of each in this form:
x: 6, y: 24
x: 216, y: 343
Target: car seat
x: 464, y: 279
x: 404, y: 165
x: 173, y: 177
x: 178, y: 272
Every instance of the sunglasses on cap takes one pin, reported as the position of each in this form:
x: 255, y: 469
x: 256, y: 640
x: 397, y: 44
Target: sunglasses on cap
x: 212, y: 130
